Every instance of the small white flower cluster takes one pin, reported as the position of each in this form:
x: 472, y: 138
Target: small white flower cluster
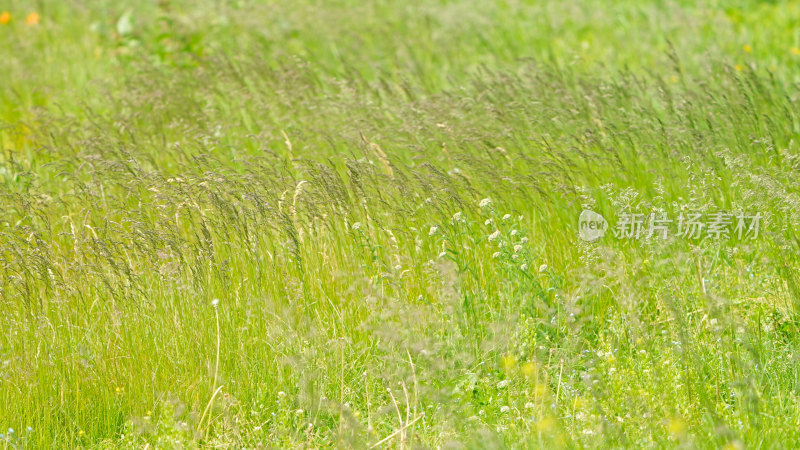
x: 494, y: 235
x: 433, y: 230
x: 485, y: 202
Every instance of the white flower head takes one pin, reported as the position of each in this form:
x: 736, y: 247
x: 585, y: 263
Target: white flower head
x: 485, y: 202
x: 517, y: 248
x: 529, y: 405
x: 458, y: 217
x: 215, y: 302
x: 543, y: 267
x: 488, y: 221
x: 357, y: 225
x: 523, y: 267
x: 494, y: 235
x: 442, y: 255
x: 504, y: 409
x: 507, y: 216
x: 514, y: 232
x: 503, y: 384
x: 524, y: 240
x: 496, y: 255
x: 433, y: 230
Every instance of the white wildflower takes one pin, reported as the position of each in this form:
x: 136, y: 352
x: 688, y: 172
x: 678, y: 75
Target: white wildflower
x: 514, y: 232
x: 504, y: 409
x: 542, y: 268
x: 507, y: 216
x: 458, y: 217
x: 494, y: 235
x: 515, y: 256
x: 523, y: 267
x: 485, y: 202
x: 496, y: 255
x: 529, y: 405
x: 215, y: 302
x: 503, y: 384
x: 433, y: 230
x: 524, y: 240
x: 517, y: 248
x: 356, y: 226
x: 488, y: 221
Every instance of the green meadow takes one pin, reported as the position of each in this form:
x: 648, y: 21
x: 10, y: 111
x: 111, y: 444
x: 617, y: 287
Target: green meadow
x: 356, y: 224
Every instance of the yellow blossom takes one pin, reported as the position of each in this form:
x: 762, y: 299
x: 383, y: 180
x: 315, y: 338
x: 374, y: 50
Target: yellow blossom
x: 540, y: 390
x: 32, y: 19
x: 676, y: 426
x: 545, y: 424
x: 748, y: 48
x: 529, y: 369
x: 733, y: 445
x: 509, y: 362
x: 796, y: 51
x: 5, y: 17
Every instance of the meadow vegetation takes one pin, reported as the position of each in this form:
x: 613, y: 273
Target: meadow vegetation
x: 247, y: 224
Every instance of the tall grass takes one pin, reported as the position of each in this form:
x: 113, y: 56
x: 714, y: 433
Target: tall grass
x: 354, y: 225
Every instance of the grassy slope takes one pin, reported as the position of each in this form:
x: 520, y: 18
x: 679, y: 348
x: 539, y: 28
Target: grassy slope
x: 291, y: 159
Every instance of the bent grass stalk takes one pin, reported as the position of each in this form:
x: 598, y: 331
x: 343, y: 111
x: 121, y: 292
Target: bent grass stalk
x: 215, y: 304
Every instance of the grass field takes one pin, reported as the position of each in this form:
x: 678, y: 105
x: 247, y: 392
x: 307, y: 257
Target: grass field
x: 353, y: 224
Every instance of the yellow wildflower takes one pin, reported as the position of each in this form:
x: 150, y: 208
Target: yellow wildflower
x: 676, y: 427
x: 529, y: 369
x: 796, y: 51
x: 545, y: 425
x: 509, y: 362
x: 747, y: 48
x: 5, y: 17
x: 32, y: 19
